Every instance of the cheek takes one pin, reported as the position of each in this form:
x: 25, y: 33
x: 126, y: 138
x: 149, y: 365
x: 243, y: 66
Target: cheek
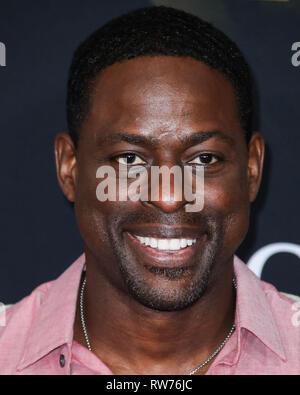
x: 97, y: 221
x: 91, y: 215
x: 228, y: 198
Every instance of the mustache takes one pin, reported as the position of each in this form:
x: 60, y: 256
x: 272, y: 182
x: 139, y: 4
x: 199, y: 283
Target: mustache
x: 177, y: 218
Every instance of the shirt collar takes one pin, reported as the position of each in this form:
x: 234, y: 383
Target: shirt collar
x: 253, y: 309
x: 54, y: 316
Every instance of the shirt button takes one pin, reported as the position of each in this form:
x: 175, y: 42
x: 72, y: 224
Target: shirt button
x: 62, y: 360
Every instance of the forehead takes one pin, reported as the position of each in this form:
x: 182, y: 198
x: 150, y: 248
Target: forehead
x: 162, y: 93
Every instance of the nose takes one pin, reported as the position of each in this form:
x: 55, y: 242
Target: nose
x: 166, y: 188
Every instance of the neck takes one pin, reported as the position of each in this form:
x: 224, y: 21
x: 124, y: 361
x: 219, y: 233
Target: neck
x: 132, y: 339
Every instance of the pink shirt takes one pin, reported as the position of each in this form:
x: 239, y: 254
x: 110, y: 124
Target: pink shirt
x: 38, y: 335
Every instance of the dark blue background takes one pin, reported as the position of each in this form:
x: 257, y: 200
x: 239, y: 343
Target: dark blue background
x: 39, y: 235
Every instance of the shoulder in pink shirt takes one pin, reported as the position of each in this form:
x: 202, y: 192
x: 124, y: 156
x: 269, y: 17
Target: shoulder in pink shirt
x: 37, y: 338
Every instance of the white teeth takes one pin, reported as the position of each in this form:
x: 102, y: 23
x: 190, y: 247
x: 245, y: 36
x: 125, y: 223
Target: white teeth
x: 153, y: 242
x: 174, y: 244
x: 166, y: 244
x: 163, y: 244
x: 183, y: 243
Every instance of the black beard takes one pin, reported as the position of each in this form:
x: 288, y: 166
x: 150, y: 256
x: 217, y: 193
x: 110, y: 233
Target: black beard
x: 171, y: 301
x: 196, y: 283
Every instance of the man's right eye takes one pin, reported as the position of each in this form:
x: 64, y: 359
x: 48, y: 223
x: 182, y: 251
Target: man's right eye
x: 129, y: 159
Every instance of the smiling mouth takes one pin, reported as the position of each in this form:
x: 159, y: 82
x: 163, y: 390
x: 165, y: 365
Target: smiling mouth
x: 170, y: 245
x: 163, y: 252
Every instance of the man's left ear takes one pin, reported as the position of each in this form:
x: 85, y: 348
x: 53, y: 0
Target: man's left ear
x: 256, y: 153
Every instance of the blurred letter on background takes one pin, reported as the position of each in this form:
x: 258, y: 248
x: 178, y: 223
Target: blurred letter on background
x: 2, y: 54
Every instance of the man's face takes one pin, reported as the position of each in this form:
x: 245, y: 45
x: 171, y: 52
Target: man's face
x: 164, y: 102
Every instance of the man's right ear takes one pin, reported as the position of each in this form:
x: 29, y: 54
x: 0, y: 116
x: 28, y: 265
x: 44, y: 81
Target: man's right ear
x: 66, y: 169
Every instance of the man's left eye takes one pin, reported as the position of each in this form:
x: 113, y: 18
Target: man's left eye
x: 205, y: 159
x: 129, y: 159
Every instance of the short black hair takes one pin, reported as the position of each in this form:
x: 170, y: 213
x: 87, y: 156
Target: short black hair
x: 155, y: 31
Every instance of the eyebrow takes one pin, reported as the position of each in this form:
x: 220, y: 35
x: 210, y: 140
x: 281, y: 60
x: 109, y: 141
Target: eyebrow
x: 200, y: 137
x: 195, y: 138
